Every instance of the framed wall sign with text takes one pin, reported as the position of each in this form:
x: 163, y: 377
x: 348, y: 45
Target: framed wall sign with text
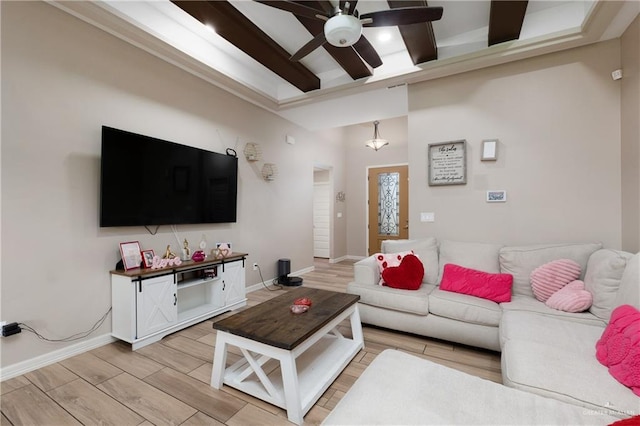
x: 447, y: 163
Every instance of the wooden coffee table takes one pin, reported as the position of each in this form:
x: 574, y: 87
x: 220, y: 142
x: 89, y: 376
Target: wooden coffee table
x: 289, y: 360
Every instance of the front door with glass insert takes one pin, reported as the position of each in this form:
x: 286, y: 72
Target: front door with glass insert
x: 388, y: 205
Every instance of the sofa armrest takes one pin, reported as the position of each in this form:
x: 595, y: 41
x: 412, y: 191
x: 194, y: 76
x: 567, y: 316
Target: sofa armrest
x: 366, y: 271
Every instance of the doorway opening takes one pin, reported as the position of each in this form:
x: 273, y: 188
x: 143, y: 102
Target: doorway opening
x: 322, y: 184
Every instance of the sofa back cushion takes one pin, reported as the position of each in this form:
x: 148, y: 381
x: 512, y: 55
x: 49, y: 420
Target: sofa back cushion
x: 480, y: 256
x: 425, y: 248
x: 602, y: 279
x: 521, y: 261
x: 629, y: 290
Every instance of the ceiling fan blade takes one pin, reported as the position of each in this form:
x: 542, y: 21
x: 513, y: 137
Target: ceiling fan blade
x: 295, y: 8
x: 312, y: 45
x: 402, y: 16
x: 326, y: 6
x: 367, y: 52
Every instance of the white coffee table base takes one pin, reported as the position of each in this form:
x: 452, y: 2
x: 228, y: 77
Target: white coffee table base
x: 293, y: 380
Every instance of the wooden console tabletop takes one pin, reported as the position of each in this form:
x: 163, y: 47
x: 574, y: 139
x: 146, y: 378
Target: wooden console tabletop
x: 186, y: 264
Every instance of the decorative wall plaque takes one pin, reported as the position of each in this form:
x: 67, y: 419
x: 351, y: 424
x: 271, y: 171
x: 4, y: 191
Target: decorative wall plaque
x: 447, y: 163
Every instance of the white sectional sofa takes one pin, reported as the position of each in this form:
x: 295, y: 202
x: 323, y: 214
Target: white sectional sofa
x: 544, y: 351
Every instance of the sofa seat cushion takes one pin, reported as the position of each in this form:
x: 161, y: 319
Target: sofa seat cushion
x: 412, y: 301
x: 572, y: 375
x: 534, y: 327
x: 465, y: 308
x: 402, y: 389
x: 521, y: 261
x: 530, y: 304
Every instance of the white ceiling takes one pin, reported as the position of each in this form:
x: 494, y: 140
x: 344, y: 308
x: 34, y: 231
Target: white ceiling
x: 163, y: 29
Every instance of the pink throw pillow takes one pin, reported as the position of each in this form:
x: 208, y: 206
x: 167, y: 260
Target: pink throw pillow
x: 571, y: 298
x: 408, y: 275
x: 619, y: 347
x: 552, y: 276
x: 458, y: 279
x: 386, y: 260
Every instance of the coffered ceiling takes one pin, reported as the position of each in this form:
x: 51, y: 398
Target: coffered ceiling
x: 244, y: 46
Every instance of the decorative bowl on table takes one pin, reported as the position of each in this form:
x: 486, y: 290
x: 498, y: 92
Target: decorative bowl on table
x: 298, y: 309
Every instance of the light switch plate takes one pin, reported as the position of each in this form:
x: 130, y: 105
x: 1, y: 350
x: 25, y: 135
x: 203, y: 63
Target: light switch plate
x: 427, y: 217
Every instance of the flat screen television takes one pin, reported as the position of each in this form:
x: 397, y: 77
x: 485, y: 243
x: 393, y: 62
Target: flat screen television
x: 149, y: 181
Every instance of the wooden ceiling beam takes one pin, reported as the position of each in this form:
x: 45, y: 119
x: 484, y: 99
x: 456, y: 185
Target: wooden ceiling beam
x: 347, y: 57
x: 505, y: 20
x: 234, y: 27
x: 418, y: 38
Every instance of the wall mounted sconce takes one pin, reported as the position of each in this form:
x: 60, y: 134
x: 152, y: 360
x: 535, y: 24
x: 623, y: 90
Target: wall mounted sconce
x: 340, y: 196
x: 377, y: 142
x: 269, y: 171
x: 489, y: 150
x: 252, y: 151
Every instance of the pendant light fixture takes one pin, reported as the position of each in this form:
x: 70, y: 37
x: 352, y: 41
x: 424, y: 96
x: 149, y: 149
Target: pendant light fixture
x: 377, y: 142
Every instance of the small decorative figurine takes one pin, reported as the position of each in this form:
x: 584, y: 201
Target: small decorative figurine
x: 203, y: 243
x: 224, y: 250
x: 186, y: 252
x: 168, y: 254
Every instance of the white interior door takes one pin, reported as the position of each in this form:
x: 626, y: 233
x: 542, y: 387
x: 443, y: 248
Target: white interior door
x: 321, y: 217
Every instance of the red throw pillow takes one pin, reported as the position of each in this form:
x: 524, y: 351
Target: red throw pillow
x: 386, y: 260
x: 408, y: 275
x: 630, y: 421
x: 458, y: 279
x: 619, y: 347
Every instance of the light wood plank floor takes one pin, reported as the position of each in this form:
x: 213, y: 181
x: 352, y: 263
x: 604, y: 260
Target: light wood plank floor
x: 168, y: 382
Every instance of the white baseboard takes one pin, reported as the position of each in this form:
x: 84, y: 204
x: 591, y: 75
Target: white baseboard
x: 28, y: 365
x: 352, y: 257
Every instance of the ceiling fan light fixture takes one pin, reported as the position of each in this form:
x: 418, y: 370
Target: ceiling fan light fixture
x: 377, y: 142
x: 342, y: 30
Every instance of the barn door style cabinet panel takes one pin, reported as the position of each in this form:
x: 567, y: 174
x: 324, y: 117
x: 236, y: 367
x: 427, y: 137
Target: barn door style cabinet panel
x: 148, y: 304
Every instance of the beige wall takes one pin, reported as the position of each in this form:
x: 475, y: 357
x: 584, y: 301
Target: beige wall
x: 61, y: 80
x: 360, y: 158
x: 557, y: 118
x: 630, y: 125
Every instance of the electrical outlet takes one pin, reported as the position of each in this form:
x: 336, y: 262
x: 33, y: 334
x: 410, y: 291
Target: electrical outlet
x: 255, y: 266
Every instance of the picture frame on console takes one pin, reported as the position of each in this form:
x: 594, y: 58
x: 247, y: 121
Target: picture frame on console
x: 130, y: 253
x: 147, y: 258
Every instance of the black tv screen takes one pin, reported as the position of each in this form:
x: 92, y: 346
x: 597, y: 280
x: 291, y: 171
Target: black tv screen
x: 149, y: 181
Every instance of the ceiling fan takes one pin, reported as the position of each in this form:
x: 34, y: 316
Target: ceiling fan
x: 343, y: 24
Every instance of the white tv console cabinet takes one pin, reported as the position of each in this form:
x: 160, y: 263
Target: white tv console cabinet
x: 148, y: 304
